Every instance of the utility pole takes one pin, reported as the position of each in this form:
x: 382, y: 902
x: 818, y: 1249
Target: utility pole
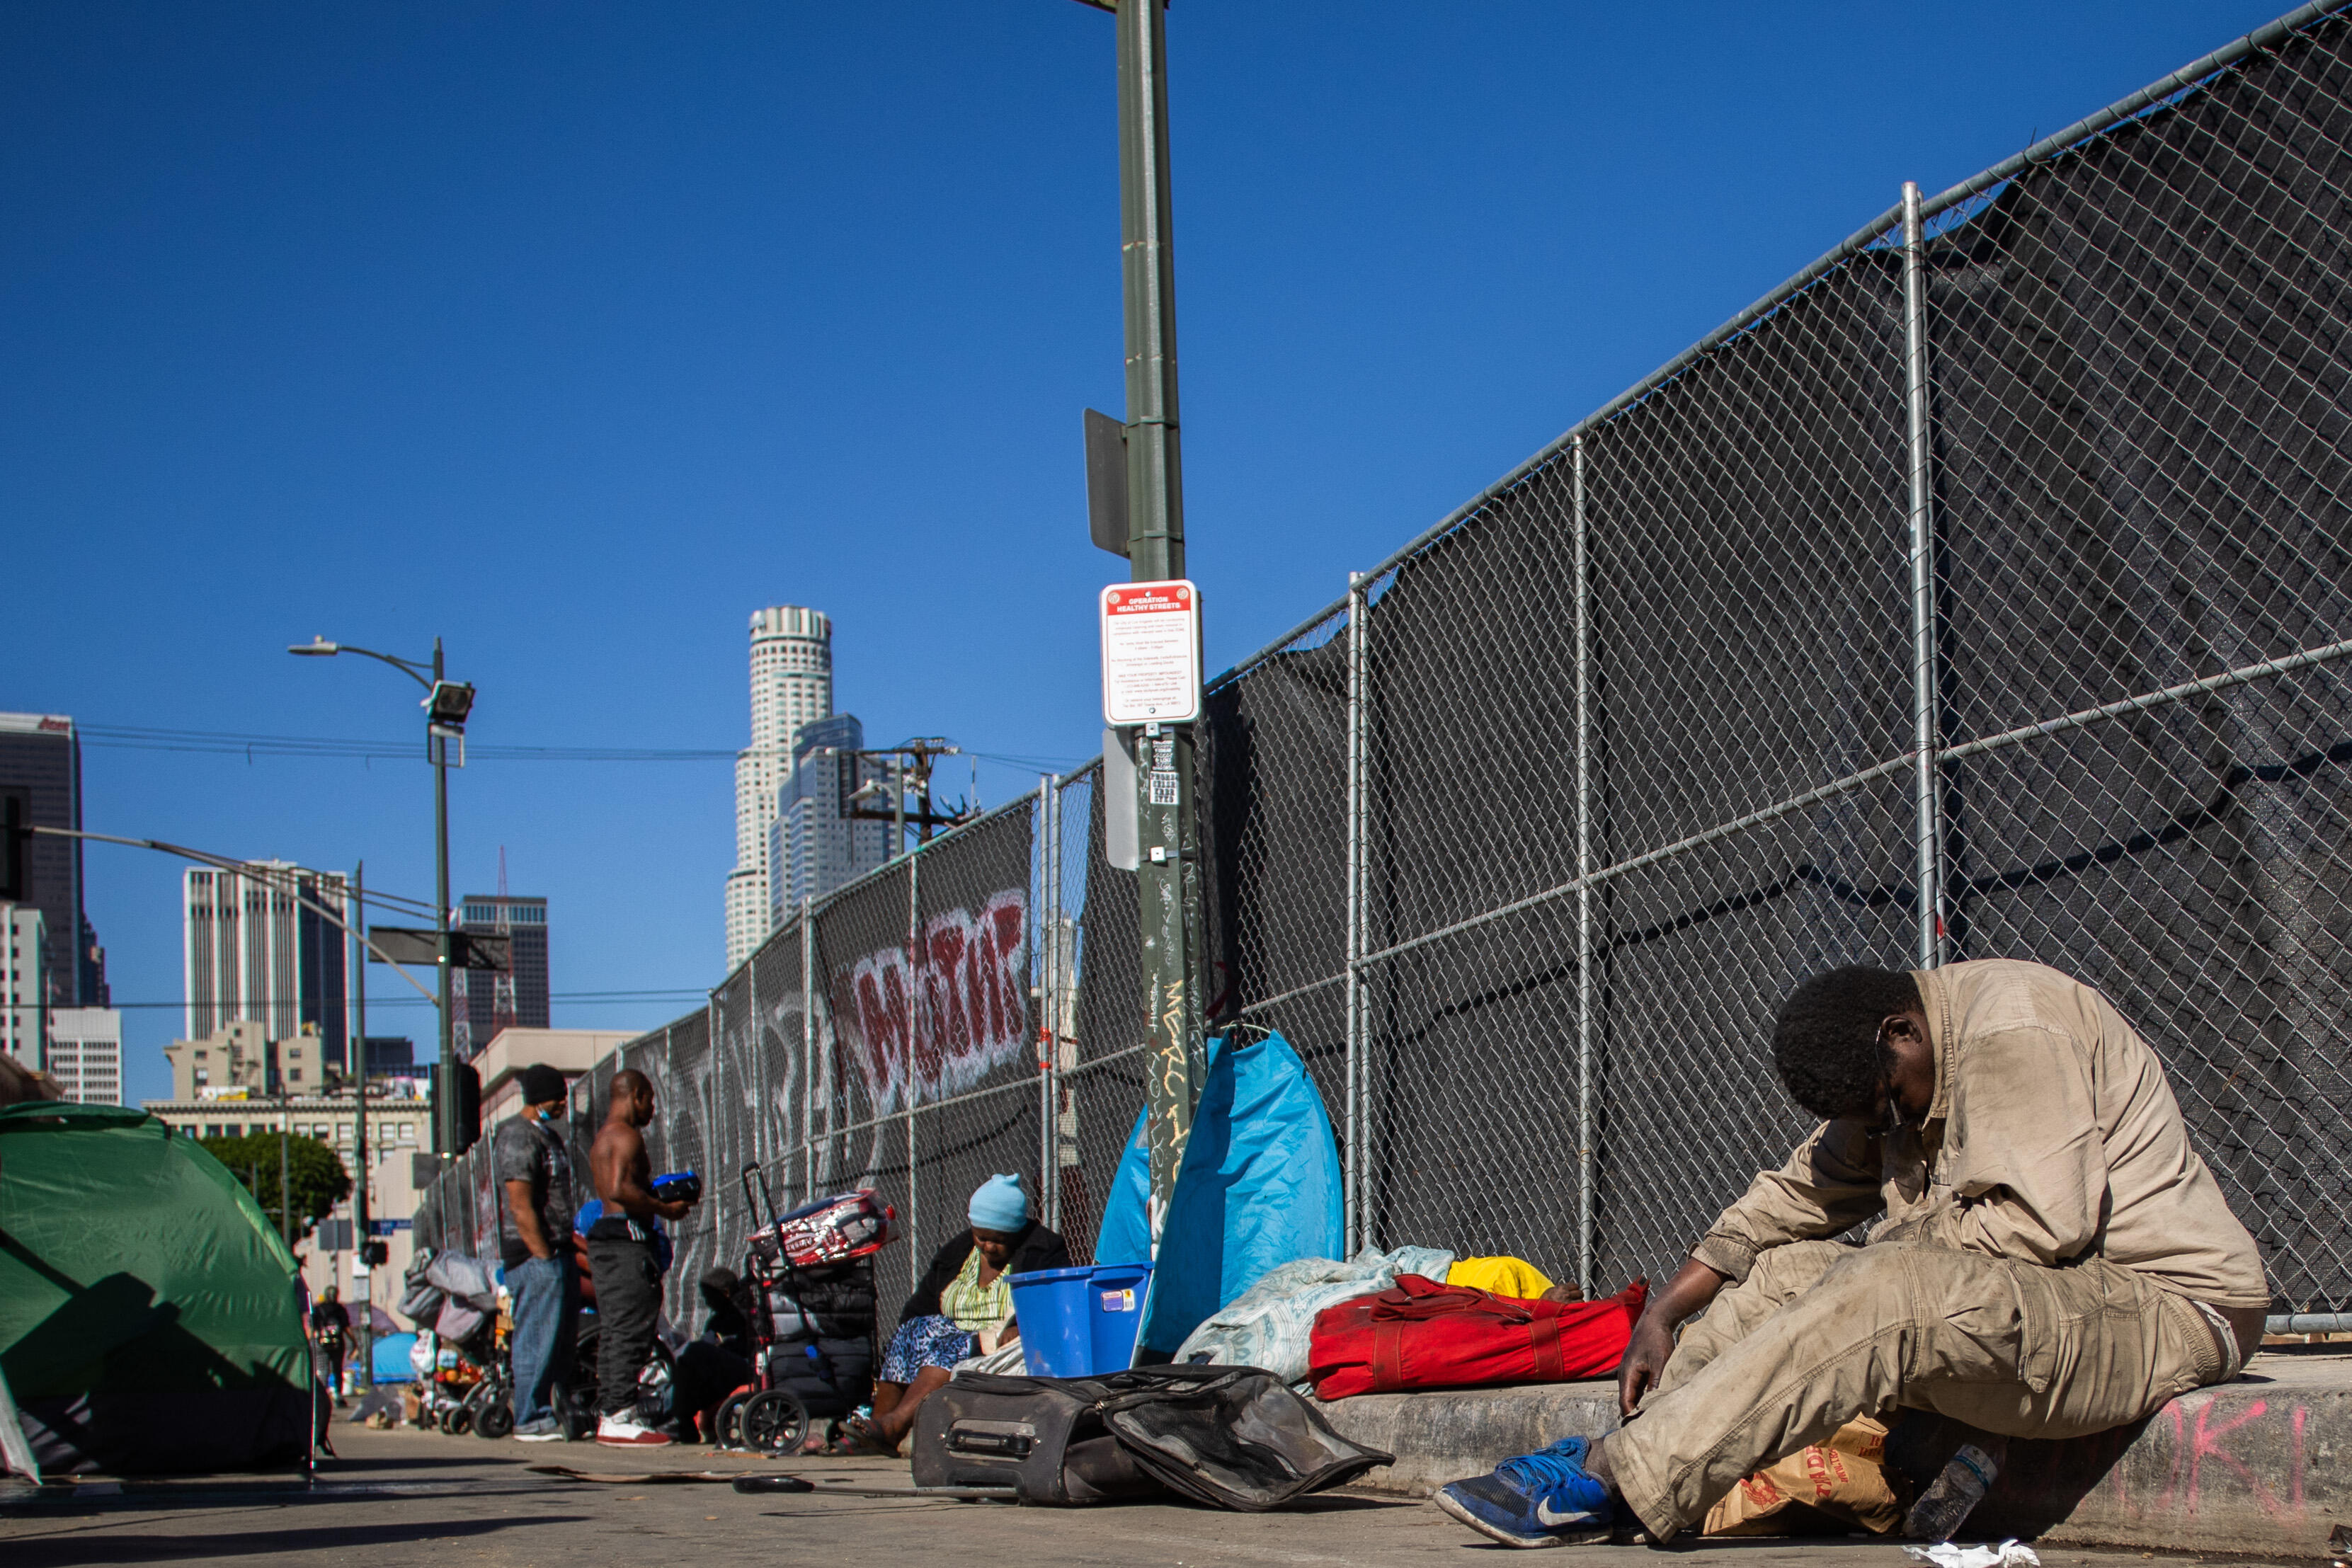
x: 447, y: 1143
x: 285, y: 1183
x: 1169, y: 866
x: 362, y: 1286
x: 914, y: 757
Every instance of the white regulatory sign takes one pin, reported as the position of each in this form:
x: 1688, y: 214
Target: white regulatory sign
x: 1151, y: 652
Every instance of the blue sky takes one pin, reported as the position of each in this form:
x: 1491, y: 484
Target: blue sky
x: 573, y: 333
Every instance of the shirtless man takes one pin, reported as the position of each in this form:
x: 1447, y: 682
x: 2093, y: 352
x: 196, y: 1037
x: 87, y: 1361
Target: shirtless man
x: 620, y: 1259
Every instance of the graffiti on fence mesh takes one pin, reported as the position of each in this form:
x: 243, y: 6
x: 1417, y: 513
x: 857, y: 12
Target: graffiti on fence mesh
x: 940, y: 1025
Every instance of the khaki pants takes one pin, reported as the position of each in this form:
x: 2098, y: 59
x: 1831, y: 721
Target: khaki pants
x: 1819, y: 1332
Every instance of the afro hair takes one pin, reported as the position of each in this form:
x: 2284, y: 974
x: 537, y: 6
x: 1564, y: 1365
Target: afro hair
x: 1825, y: 1042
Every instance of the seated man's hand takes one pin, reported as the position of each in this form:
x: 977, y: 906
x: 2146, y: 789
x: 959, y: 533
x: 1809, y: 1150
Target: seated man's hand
x: 1645, y: 1358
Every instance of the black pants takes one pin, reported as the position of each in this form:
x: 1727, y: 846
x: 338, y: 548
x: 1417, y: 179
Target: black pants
x: 628, y: 1299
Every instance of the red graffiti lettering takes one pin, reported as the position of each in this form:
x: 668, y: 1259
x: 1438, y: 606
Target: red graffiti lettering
x: 960, y: 1013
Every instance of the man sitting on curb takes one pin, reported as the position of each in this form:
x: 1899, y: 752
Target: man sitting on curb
x: 2054, y: 1260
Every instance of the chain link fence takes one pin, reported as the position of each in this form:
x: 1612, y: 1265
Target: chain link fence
x: 1985, y: 590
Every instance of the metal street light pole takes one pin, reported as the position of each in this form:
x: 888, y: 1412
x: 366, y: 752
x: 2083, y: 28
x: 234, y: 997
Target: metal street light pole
x: 447, y: 704
x: 1168, y: 869
x: 362, y: 1281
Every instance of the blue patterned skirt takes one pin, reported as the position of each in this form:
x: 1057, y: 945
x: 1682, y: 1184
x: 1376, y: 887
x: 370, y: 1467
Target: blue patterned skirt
x: 924, y: 1341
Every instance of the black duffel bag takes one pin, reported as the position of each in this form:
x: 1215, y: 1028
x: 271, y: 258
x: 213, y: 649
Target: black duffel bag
x: 1231, y: 1437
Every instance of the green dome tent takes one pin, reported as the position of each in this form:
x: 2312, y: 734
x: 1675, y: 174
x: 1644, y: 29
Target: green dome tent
x: 151, y: 1319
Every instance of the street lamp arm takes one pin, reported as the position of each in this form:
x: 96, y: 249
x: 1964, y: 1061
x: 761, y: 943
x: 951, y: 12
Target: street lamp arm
x: 416, y: 672
x: 247, y: 868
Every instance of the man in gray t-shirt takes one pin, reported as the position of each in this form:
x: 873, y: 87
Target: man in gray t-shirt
x: 533, y: 1164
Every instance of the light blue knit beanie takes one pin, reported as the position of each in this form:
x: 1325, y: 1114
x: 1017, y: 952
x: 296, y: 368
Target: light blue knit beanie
x: 1001, y: 1204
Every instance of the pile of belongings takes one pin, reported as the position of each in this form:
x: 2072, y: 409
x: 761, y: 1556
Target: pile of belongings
x: 449, y: 1293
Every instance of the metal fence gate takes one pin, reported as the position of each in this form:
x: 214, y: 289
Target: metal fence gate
x: 1983, y: 590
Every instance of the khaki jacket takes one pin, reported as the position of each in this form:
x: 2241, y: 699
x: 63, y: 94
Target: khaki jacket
x: 2053, y: 1135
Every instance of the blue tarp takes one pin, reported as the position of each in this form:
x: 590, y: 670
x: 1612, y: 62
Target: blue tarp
x: 1259, y: 1187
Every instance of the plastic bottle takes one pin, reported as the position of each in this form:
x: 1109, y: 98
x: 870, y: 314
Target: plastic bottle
x: 1952, y: 1495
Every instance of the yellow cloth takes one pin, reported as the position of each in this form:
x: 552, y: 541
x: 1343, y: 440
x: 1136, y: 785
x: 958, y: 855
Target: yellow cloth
x: 1505, y: 1276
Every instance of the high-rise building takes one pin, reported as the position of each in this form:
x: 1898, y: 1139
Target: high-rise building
x: 814, y: 847
x: 86, y: 1054
x: 791, y: 685
x: 491, y: 999
x: 24, y: 982
x: 255, y: 952
x: 40, y: 766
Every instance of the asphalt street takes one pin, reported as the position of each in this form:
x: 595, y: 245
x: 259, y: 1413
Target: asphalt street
x: 404, y: 1497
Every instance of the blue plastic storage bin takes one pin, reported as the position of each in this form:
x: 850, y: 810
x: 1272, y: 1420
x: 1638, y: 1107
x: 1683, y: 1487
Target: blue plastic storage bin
x: 1076, y: 1322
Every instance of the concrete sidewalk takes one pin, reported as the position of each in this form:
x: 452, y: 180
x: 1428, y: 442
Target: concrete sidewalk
x: 415, y: 1500
x: 2260, y: 1466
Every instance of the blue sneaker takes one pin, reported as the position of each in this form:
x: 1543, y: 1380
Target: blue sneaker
x: 1543, y: 1498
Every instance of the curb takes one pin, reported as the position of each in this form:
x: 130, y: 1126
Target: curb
x: 2260, y: 1466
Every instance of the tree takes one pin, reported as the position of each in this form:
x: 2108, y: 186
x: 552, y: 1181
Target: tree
x: 315, y: 1180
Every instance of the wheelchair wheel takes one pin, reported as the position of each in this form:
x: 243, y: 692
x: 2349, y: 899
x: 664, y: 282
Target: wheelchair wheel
x: 727, y: 1422
x: 495, y: 1420
x: 773, y: 1423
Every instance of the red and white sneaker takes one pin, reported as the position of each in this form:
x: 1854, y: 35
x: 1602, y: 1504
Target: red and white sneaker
x: 623, y: 1432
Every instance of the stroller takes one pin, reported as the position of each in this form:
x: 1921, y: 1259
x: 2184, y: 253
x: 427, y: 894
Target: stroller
x: 468, y: 1386
x: 810, y: 1275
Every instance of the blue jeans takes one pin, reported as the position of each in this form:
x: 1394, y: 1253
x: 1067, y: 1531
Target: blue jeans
x: 546, y: 1320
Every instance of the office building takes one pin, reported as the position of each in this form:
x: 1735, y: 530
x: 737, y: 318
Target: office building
x: 488, y: 1000
x: 813, y: 846
x: 256, y: 951
x: 23, y: 983
x: 240, y: 1060
x: 792, y: 685
x: 86, y: 1054
x: 40, y: 768
x: 392, y: 1056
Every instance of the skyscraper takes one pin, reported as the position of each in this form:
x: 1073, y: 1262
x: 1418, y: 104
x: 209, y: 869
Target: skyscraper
x: 86, y: 1054
x: 254, y: 952
x: 24, y: 982
x: 40, y: 766
x: 791, y: 685
x: 813, y: 848
x: 493, y: 999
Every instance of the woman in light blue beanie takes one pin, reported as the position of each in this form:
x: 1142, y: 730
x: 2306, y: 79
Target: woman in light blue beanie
x: 963, y: 1307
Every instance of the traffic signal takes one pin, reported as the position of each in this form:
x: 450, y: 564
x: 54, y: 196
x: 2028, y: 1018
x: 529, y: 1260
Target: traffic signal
x: 467, y: 1085
x: 16, y: 837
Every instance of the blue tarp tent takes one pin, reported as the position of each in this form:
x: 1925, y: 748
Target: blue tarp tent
x: 1259, y: 1186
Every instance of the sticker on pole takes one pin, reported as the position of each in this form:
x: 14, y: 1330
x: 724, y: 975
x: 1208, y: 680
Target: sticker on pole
x: 1151, y: 652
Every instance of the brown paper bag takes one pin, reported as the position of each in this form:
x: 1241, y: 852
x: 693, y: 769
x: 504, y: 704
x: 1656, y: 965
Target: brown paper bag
x: 1830, y: 1488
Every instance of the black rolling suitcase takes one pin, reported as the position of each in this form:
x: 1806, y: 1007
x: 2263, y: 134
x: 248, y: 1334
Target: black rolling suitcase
x: 1139, y: 1433
x: 1042, y: 1435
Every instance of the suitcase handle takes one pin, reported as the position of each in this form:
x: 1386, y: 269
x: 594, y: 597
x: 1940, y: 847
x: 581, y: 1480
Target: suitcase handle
x: 998, y: 1439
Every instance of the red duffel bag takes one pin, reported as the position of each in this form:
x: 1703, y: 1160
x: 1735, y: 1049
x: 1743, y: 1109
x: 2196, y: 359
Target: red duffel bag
x: 1423, y: 1334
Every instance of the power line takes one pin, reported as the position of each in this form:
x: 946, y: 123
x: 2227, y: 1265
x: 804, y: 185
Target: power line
x: 231, y: 743
x: 577, y: 998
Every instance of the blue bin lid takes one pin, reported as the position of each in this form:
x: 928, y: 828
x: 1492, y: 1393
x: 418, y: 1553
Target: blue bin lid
x: 1043, y: 1276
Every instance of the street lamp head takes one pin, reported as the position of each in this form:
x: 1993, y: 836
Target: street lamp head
x: 448, y: 703
x: 318, y: 647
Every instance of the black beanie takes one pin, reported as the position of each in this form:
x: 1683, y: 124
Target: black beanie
x: 540, y: 1084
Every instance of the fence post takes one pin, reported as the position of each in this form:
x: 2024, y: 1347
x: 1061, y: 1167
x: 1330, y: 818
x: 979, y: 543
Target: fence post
x: 752, y: 1069
x: 808, y: 1055
x: 1586, y: 1166
x: 914, y: 1055
x: 1355, y: 1119
x: 1924, y: 703
x: 1048, y: 1046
